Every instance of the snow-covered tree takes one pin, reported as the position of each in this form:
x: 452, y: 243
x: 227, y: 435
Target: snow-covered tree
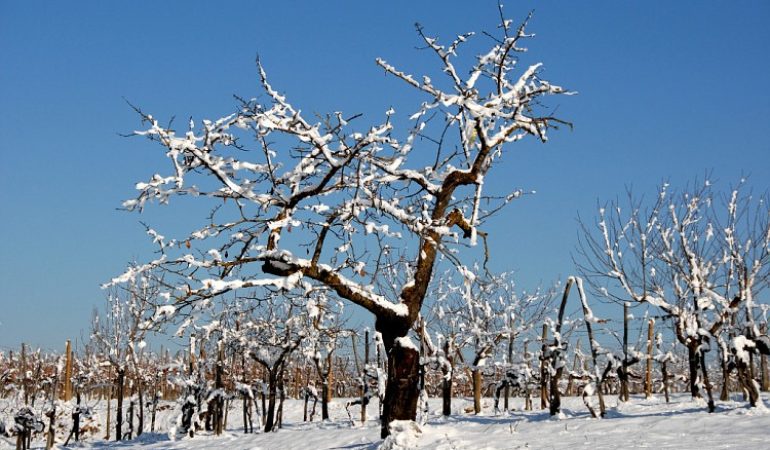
x: 119, y: 335
x: 698, y: 257
x: 321, y: 338
x: 271, y: 335
x: 476, y: 316
x: 325, y: 203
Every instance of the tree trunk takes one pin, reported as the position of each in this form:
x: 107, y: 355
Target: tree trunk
x: 664, y: 374
x: 264, y: 407
x: 507, y: 392
x: 52, y: 415
x: 329, y: 380
x: 724, y: 394
x: 402, y: 387
x: 765, y: 378
x: 109, y: 404
x: 219, y: 398
x: 325, y: 397
x: 246, y: 399
x: 131, y: 418
x: 271, y: 397
x: 446, y: 385
x: 623, y: 375
x: 543, y: 372
x: 282, y: 398
x: 140, y: 393
x: 119, y: 408
x: 76, y: 419
x: 748, y: 383
x: 692, y: 359
x: 706, y: 382
x: 364, y: 381
x: 154, y: 404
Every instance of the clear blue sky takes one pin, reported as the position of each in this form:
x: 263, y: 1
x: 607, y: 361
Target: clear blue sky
x: 668, y: 90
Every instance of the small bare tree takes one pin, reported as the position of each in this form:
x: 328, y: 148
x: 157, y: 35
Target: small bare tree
x: 683, y: 255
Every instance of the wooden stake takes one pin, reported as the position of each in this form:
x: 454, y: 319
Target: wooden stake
x: 67, y: 395
x: 648, y: 378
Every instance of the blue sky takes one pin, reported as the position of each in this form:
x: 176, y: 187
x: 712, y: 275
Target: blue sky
x: 667, y: 90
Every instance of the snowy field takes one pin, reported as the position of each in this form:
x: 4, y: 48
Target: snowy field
x: 682, y: 424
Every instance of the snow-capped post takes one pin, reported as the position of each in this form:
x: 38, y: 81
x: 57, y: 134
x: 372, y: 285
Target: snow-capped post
x: 336, y: 187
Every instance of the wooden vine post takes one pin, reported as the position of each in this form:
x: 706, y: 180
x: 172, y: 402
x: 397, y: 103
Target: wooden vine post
x: 67, y: 394
x: 648, y: 377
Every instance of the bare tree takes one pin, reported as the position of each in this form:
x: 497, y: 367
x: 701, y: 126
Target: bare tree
x: 119, y: 333
x: 349, y: 198
x: 683, y: 255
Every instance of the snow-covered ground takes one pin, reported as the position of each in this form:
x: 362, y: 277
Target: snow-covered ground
x: 681, y: 424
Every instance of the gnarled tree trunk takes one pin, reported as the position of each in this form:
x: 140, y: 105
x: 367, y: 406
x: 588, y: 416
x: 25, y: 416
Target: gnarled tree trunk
x: 402, y: 388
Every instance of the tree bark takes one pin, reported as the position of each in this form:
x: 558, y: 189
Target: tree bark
x: 446, y: 385
x: 109, y: 403
x: 543, y: 372
x: 119, y: 408
x: 325, y: 395
x: 402, y: 387
x: 271, y: 398
x: 765, y: 378
x: 557, y: 359
x: 648, y: 372
x: 364, y: 381
x: 623, y: 375
x: 706, y: 382
x: 507, y: 391
x: 692, y: 359
x: 140, y: 395
x: 724, y: 394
